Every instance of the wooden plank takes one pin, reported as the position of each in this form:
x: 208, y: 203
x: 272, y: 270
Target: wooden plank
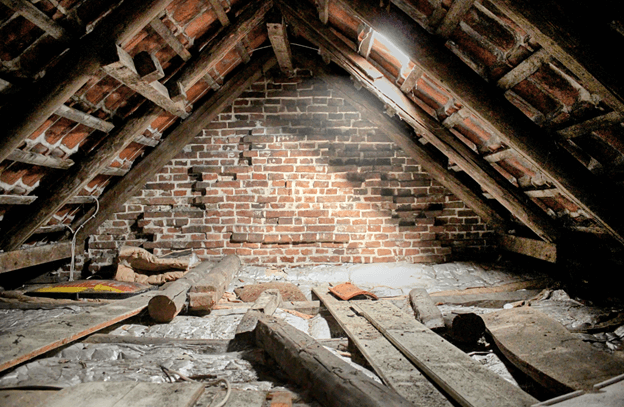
x: 545, y: 350
x: 19, y: 259
x: 281, y: 46
x: 169, y: 147
x: 524, y: 69
x: 20, y: 346
x: 425, y: 309
x: 73, y: 70
x: 250, y: 18
x: 111, y: 394
x: 402, y: 138
x: 451, y: 20
x: 529, y: 247
x: 84, y: 118
x: 464, y: 379
x: 510, y: 125
x: 396, y: 371
x: 593, y: 124
x: 17, y: 199
x: 38, y: 18
x: 26, y: 398
x: 490, y: 179
x: 220, y: 12
x: 123, y: 69
x: 540, y: 283
x: 332, y: 381
x: 171, y: 40
x: 28, y: 157
x: 486, y: 300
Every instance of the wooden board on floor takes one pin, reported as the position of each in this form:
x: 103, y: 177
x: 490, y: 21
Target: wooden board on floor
x: 26, y: 398
x: 135, y: 394
x: 465, y: 380
x: 486, y: 300
x: 394, y: 369
x: 20, y: 346
x: 548, y: 352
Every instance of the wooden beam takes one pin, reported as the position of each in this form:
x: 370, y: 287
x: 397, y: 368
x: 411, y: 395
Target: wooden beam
x: 593, y: 124
x: 596, y: 197
x: 129, y: 185
x: 73, y: 70
x: 161, y: 29
x: 31, y: 13
x: 401, y: 137
x: 19, y: 226
x: 250, y: 18
x: 281, y: 46
x: 524, y: 69
x: 462, y: 378
x: 28, y: 157
x: 84, y: 118
x: 529, y: 247
x: 123, y: 69
x: 451, y: 20
x: 513, y: 200
x: 20, y: 346
x: 33, y: 256
x: 220, y: 12
x: 567, y: 43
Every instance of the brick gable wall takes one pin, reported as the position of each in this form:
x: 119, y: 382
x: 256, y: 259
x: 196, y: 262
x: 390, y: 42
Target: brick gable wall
x: 291, y: 175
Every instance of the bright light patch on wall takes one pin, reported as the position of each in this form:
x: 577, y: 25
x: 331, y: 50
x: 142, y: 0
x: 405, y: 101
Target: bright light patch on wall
x: 396, y: 52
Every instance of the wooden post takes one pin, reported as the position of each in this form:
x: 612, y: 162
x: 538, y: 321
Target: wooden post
x: 208, y: 290
x: 77, y: 66
x: 169, y: 302
x: 332, y: 381
x: 168, y: 148
x: 425, y: 309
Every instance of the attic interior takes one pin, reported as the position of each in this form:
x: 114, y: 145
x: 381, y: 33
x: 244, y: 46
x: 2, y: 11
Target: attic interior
x: 315, y: 203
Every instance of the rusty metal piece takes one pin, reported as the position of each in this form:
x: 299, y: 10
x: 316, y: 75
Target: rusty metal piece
x: 346, y: 291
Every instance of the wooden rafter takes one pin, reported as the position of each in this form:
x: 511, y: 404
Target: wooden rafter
x: 402, y: 137
x: 281, y: 46
x: 38, y: 18
x: 596, y: 197
x: 510, y: 197
x: 199, y: 66
x: 74, y: 69
x: 136, y: 178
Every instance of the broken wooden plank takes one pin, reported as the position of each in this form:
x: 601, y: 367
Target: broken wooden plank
x: 391, y: 366
x: 425, y: 309
x: 220, y: 12
x: 121, y: 67
x: 529, y: 247
x: 175, y: 141
x: 169, y: 302
x: 171, y: 40
x: 32, y: 256
x: 464, y: 379
x: 545, y: 350
x: 524, y: 69
x: 206, y: 291
x: 28, y: 157
x: 332, y: 381
x: 109, y: 394
x: 84, y: 118
x: 281, y: 46
x: 73, y: 70
x: 453, y: 16
x: 20, y: 346
x: 38, y: 18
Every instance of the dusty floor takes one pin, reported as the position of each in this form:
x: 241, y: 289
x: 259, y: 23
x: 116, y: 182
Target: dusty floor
x: 247, y: 368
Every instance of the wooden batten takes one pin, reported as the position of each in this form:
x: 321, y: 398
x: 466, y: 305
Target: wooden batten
x: 28, y: 157
x: 72, y: 71
x: 281, y: 46
x: 529, y: 247
x: 161, y: 29
x: 509, y: 196
x: 122, y: 68
x: 38, y: 18
x: 410, y: 82
x: 453, y: 16
x: 84, y: 118
x: 169, y: 147
x: 524, y: 69
x: 243, y: 53
x: 590, y: 125
x: 33, y: 256
x: 323, y: 10
x: 220, y: 12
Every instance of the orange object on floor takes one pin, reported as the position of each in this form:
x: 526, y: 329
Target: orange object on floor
x: 346, y: 291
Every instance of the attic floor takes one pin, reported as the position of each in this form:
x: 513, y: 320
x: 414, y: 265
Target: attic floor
x: 247, y: 368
